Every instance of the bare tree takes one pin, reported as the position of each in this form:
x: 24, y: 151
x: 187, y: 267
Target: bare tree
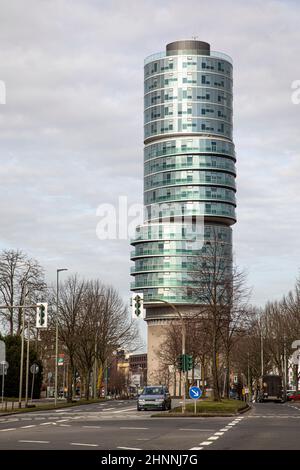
x: 71, y: 305
x: 93, y: 323
x: 221, y: 294
x: 17, y: 273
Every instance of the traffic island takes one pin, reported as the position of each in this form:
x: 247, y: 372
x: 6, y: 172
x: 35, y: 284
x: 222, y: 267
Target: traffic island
x: 49, y: 406
x: 207, y: 409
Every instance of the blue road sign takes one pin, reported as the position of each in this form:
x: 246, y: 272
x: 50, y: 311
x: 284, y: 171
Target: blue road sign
x: 195, y: 393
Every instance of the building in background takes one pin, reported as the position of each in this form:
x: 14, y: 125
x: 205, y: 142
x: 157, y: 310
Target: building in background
x: 138, y: 369
x: 189, y: 178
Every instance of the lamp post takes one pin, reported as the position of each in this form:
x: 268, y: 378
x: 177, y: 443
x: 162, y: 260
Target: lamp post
x: 22, y: 347
x: 56, y: 332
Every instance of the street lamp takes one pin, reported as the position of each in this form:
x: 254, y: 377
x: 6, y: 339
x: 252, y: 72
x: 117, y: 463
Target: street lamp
x: 56, y: 332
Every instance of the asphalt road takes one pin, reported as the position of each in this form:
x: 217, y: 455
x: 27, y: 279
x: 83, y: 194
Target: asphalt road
x: 117, y: 425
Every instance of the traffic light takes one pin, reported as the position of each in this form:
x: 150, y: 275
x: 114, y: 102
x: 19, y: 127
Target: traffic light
x: 180, y: 361
x: 184, y: 362
x: 189, y: 362
x: 41, y: 315
x: 137, y: 302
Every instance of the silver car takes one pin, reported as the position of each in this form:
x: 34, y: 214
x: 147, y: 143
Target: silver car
x: 154, y: 397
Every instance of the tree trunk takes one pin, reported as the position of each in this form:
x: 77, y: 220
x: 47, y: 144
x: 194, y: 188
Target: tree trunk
x: 216, y: 390
x: 174, y: 383
x: 87, y: 385
x: 227, y: 384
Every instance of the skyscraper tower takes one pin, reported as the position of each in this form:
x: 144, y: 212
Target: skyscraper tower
x: 189, y: 174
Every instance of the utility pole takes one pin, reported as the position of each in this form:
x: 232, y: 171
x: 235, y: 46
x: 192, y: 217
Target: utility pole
x: 56, y: 333
x: 261, y: 349
x: 22, y: 347
x: 285, y: 367
x: 27, y: 360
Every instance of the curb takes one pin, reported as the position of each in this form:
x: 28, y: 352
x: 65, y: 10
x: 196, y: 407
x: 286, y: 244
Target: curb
x: 201, y: 415
x: 44, y: 408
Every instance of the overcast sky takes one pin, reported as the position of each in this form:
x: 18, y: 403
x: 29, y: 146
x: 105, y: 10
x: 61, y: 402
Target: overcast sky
x: 71, y: 132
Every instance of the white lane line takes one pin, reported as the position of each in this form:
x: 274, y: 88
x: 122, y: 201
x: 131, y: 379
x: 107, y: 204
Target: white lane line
x: 109, y: 409
x: 213, y: 438
x: 26, y: 419
x: 62, y: 420
x: 81, y: 444
x: 11, y: 420
x: 224, y: 429
x: 10, y: 429
x: 219, y: 433
x: 127, y: 409
x: 30, y: 426
x: 35, y: 442
x: 128, y: 427
x: 196, y: 448
x: 92, y: 427
x: 205, y: 443
x: 46, y: 424
x: 129, y: 448
x: 194, y: 429
x: 65, y: 425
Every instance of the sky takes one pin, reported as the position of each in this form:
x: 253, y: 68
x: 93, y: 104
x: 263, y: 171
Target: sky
x: 71, y: 131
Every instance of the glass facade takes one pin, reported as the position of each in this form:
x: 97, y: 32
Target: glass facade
x: 189, y: 169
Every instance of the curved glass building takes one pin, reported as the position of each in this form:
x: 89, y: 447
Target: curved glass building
x: 189, y: 171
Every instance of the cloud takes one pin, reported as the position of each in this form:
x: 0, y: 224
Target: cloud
x: 71, y: 133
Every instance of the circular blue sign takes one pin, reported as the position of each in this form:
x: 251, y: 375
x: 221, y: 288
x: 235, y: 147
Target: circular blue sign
x: 195, y: 393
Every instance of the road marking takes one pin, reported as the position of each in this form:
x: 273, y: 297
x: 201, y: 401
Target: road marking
x: 205, y: 443
x: 92, y: 427
x: 65, y: 425
x: 196, y: 448
x: 213, y: 438
x: 62, y: 420
x: 194, y: 429
x: 81, y: 444
x: 129, y: 448
x: 219, y: 433
x: 128, y: 427
x: 35, y: 442
x: 30, y: 426
x: 45, y: 424
x: 10, y: 429
x: 127, y: 409
x: 224, y: 429
x: 26, y: 419
x: 109, y: 409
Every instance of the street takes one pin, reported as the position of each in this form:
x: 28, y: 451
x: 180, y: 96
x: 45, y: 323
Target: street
x: 117, y: 425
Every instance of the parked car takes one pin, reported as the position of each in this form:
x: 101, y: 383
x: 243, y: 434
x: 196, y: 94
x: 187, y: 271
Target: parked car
x: 154, y: 397
x: 289, y: 393
x: 233, y: 394
x: 295, y: 396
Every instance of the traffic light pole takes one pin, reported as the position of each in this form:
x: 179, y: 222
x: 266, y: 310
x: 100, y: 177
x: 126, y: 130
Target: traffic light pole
x: 27, y: 361
x: 22, y: 308
x: 56, y: 335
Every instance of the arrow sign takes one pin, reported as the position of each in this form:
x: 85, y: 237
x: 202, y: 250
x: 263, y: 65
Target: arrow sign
x: 195, y: 393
